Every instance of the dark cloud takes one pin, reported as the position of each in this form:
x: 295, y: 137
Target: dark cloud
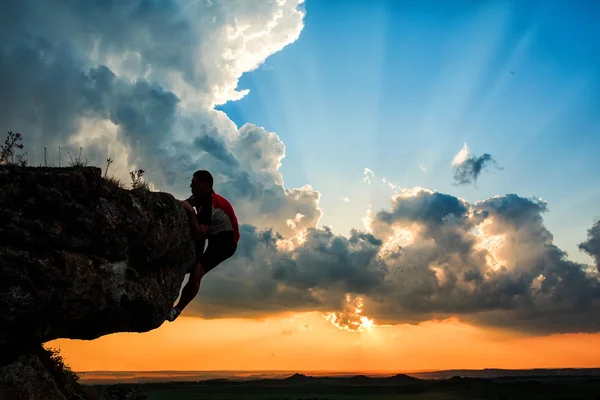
x: 210, y: 142
x: 592, y: 245
x: 492, y: 263
x: 316, y: 275
x: 467, y: 168
x: 426, y: 207
x: 153, y: 70
x: 49, y: 82
x: 43, y: 90
x: 447, y: 273
x: 514, y: 210
x: 144, y: 32
x: 328, y: 261
x: 46, y: 92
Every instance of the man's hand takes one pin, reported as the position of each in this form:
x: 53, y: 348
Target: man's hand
x: 198, y: 231
x: 187, y: 206
x: 202, y: 229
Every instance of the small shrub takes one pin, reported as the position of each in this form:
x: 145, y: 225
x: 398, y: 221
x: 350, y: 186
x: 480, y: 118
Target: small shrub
x: 137, y: 181
x: 78, y: 161
x: 111, y: 179
x: 61, y: 367
x: 8, y: 153
x: 65, y: 378
x: 22, y: 160
x: 115, y: 182
x: 108, y: 162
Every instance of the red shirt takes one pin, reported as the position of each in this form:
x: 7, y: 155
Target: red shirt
x: 219, y: 217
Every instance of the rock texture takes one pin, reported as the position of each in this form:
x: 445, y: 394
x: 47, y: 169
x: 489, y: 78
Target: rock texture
x: 33, y: 372
x: 81, y: 258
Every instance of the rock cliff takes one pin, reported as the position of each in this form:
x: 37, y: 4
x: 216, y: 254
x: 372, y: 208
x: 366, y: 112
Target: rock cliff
x: 81, y: 257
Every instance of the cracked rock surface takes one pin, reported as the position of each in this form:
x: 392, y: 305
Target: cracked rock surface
x: 81, y: 258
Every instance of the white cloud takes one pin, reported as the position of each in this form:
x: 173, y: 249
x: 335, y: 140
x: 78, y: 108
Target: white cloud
x: 368, y: 175
x: 136, y: 97
x: 347, y: 200
x: 389, y: 184
x: 461, y: 156
x: 467, y: 168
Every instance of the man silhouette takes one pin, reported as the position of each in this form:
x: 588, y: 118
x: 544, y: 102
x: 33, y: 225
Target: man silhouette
x: 216, y: 221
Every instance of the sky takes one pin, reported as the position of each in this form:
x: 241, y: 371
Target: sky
x: 406, y: 84
x: 415, y: 181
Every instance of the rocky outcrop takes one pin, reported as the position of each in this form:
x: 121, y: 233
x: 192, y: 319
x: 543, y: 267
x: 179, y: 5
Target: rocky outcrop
x: 81, y: 257
x: 32, y: 372
x: 37, y: 373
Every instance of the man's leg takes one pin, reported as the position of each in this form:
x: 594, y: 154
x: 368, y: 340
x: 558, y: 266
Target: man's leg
x: 200, y: 249
x: 190, y: 290
x: 217, y: 251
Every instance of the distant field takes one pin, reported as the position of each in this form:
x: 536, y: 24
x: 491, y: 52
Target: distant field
x: 454, y: 385
x: 193, y: 395
x: 576, y: 388
x: 514, y: 395
x: 111, y: 377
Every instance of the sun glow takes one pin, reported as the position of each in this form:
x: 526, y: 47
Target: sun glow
x: 492, y: 244
x: 403, y: 236
x: 351, y: 318
x: 291, y: 243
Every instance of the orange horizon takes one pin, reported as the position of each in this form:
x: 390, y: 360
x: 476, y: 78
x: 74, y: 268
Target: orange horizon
x: 308, y: 343
x: 338, y: 372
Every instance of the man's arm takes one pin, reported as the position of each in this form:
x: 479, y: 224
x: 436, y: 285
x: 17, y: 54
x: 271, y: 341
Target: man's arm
x: 202, y: 220
x: 205, y: 215
x: 198, y: 232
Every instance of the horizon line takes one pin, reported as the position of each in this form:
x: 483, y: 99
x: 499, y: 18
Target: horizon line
x: 302, y: 371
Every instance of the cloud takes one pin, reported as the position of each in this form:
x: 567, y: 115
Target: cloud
x: 106, y: 76
x: 461, y: 156
x: 387, y: 182
x: 423, y: 168
x: 368, y: 175
x: 350, y: 319
x: 315, y: 273
x: 592, y: 245
x: 212, y: 144
x: 491, y: 263
x: 468, y: 168
x: 347, y: 200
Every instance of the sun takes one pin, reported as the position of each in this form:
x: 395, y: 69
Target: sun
x: 350, y: 319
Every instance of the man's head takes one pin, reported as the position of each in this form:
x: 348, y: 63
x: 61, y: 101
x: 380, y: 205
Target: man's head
x: 202, y: 183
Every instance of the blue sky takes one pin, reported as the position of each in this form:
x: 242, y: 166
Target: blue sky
x: 398, y: 85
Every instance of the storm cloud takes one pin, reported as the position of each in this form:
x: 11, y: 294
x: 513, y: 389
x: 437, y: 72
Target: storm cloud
x: 491, y: 263
x: 592, y: 245
x: 497, y: 265
x: 107, y: 77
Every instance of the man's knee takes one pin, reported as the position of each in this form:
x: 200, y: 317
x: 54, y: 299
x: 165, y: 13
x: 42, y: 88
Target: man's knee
x: 198, y: 270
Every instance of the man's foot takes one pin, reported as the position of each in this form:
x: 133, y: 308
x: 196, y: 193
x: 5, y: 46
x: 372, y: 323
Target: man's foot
x: 173, y: 314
